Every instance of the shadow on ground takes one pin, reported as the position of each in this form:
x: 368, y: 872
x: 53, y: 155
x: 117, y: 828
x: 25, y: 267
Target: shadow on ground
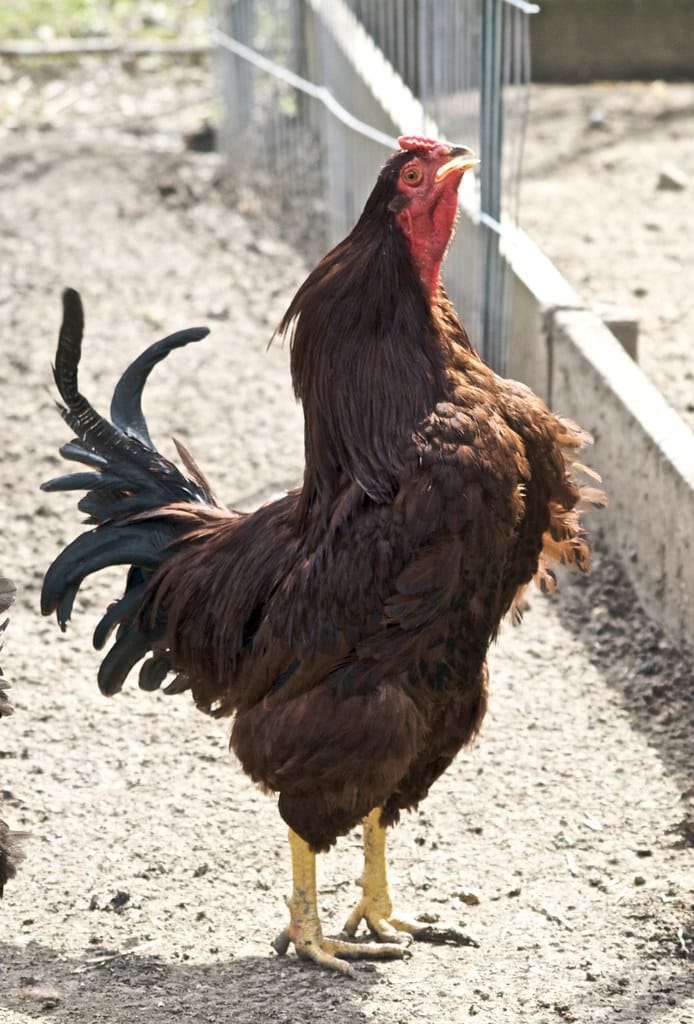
x: 654, y: 679
x: 137, y: 989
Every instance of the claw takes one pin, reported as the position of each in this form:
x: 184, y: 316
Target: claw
x: 386, y: 929
x: 375, y: 907
x: 333, y: 953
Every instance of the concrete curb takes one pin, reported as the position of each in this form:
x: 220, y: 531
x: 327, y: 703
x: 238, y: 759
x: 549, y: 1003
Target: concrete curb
x: 643, y: 449
x: 645, y: 454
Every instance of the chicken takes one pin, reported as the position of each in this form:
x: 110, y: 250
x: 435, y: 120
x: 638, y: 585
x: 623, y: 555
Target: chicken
x: 10, y: 852
x: 345, y: 626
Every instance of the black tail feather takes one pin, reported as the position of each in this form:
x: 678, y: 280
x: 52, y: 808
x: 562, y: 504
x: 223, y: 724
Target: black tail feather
x: 126, y: 405
x: 153, y: 672
x: 134, y: 543
x: 136, y: 470
x: 75, y: 451
x: 130, y: 647
x: 127, y: 481
x: 119, y: 611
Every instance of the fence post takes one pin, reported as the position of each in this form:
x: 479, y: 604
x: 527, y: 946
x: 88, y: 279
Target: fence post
x: 491, y: 140
x: 236, y: 18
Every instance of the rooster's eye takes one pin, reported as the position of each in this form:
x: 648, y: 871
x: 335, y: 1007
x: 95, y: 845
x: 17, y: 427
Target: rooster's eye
x: 412, y: 175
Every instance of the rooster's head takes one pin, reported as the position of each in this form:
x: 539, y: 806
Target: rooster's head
x: 425, y: 177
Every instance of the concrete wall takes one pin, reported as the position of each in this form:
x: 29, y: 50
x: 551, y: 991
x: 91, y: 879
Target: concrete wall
x: 584, y: 40
x: 645, y: 454
x: 538, y: 292
x: 643, y: 450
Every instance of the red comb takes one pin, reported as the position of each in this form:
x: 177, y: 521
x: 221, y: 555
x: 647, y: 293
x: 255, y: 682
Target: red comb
x: 408, y: 142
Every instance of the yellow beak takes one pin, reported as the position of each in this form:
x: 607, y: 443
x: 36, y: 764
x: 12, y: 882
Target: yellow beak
x: 462, y: 159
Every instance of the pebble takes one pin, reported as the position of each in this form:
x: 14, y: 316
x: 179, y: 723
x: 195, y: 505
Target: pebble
x: 218, y: 312
x: 597, y: 119
x: 671, y: 178
x: 469, y: 898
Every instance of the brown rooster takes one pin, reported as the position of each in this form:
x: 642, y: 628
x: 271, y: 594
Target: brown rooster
x: 10, y: 851
x: 345, y: 625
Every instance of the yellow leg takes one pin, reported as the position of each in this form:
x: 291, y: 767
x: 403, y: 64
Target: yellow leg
x: 376, y: 907
x: 304, y: 929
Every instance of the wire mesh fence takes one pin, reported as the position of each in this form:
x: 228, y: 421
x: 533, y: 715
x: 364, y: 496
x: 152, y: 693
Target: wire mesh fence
x: 315, y: 92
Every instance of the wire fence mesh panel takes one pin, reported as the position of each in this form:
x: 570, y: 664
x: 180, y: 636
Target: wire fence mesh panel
x: 314, y: 93
x: 271, y: 133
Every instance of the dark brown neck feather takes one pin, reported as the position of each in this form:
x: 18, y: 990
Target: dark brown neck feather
x: 368, y: 360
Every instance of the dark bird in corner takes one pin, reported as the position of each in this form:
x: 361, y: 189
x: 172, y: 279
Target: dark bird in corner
x: 10, y: 842
x: 344, y: 626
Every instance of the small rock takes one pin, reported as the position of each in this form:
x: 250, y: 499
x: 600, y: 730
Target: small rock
x: 597, y: 119
x: 119, y: 899
x: 471, y: 899
x: 204, y: 140
x: 639, y: 880
x: 671, y: 179
x: 47, y: 998
x: 266, y: 247
x: 218, y: 312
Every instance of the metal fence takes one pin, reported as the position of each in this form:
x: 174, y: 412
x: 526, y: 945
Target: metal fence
x: 315, y: 92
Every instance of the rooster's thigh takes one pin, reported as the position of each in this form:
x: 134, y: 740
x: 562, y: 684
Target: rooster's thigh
x: 452, y: 721
x: 331, y: 756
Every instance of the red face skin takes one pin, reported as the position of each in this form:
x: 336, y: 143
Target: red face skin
x: 428, y: 218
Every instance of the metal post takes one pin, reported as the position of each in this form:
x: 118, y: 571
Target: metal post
x: 491, y: 135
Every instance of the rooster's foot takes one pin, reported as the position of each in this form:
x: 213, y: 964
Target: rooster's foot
x: 388, y: 927
x: 310, y: 944
x: 304, y: 929
x: 375, y: 907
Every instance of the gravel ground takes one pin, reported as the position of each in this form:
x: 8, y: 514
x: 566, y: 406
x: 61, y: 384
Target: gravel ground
x: 155, y: 871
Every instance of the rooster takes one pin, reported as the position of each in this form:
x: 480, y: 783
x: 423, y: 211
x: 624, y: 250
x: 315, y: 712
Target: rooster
x: 345, y: 626
x: 10, y: 852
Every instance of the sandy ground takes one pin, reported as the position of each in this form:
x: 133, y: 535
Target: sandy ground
x: 155, y: 872
x: 600, y: 195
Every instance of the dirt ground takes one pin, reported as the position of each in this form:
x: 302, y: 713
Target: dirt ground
x: 155, y: 872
